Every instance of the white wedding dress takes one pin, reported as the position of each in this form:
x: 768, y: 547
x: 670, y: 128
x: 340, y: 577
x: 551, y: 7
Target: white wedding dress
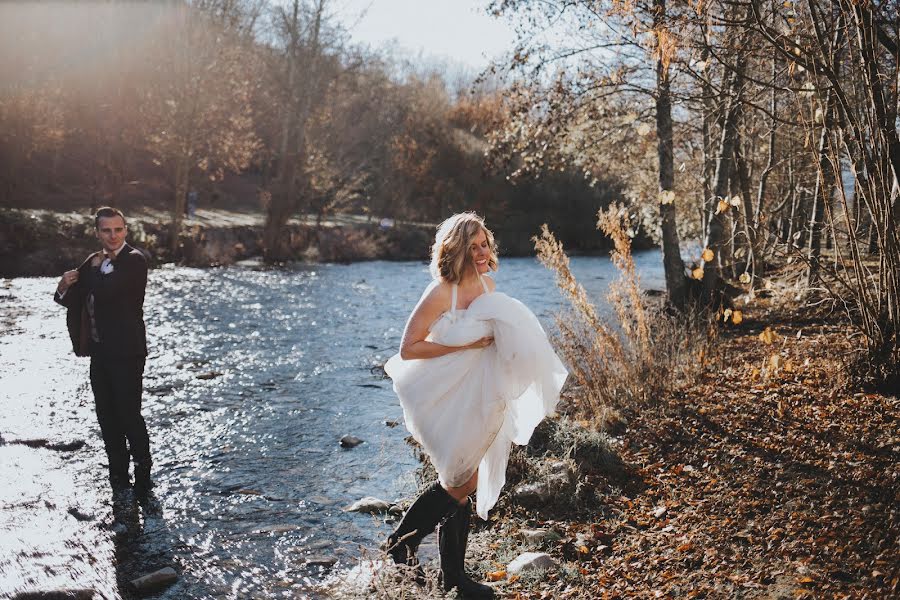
x: 466, y: 408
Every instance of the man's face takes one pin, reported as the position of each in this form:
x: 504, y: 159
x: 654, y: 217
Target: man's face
x: 111, y: 232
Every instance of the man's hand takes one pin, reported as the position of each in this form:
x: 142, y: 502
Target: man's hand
x: 68, y: 280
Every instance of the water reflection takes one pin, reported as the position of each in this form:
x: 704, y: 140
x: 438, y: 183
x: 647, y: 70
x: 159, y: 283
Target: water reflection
x: 253, y: 377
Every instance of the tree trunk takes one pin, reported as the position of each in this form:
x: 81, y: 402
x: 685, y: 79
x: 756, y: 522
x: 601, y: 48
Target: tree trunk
x: 180, y: 190
x: 676, y: 284
x: 292, y: 159
x: 715, y: 239
x: 821, y: 195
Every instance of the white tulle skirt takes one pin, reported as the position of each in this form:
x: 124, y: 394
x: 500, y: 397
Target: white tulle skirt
x: 467, y: 408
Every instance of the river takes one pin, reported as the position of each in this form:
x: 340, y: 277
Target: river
x: 253, y: 377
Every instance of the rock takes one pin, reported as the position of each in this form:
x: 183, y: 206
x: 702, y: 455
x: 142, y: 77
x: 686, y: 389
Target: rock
x: 66, y: 446
x: 369, y: 504
x: 396, y: 509
x: 558, y: 478
x: 82, y: 594
x: 80, y: 516
x: 320, y: 561
x: 350, y: 441
x: 529, y: 561
x: 532, y: 493
x: 154, y: 581
x: 276, y: 529
x: 391, y: 423
x: 160, y: 390
x: 561, y: 473
x: 33, y: 443
x: 537, y: 537
x: 208, y: 375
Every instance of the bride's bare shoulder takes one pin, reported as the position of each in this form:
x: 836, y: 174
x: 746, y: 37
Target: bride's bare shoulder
x: 437, y: 293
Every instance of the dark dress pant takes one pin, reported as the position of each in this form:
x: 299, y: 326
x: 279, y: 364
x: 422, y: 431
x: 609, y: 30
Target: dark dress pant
x: 117, y: 385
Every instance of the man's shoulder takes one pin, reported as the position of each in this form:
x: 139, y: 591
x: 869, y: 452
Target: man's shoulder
x: 136, y: 255
x: 87, y: 261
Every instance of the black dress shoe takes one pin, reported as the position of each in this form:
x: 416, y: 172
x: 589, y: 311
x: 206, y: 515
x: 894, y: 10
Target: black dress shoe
x: 119, y: 482
x: 142, y: 482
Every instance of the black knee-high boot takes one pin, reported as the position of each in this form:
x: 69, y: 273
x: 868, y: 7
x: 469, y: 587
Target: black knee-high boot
x: 420, y: 519
x: 453, y: 539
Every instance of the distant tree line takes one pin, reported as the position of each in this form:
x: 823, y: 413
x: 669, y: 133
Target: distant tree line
x: 265, y: 103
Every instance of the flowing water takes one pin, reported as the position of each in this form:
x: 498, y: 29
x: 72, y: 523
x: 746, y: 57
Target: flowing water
x: 252, y: 379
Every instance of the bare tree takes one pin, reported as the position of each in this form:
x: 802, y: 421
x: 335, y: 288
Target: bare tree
x: 197, y: 110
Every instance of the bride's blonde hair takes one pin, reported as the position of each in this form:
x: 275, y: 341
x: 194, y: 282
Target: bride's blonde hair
x: 450, y: 252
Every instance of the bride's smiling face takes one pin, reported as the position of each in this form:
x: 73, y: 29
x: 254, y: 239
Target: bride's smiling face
x: 480, y: 252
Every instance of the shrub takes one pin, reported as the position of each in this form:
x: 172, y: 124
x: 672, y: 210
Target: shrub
x: 636, y: 360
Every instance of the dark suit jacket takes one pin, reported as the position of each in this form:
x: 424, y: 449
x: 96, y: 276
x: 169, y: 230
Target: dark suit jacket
x: 118, y: 307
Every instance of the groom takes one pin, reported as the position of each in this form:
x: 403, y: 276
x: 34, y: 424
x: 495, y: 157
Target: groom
x: 105, y: 318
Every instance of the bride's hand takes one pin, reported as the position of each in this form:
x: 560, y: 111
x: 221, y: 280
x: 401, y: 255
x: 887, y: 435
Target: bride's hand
x: 481, y: 343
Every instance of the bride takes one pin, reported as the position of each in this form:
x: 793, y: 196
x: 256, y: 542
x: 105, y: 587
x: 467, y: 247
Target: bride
x: 475, y: 373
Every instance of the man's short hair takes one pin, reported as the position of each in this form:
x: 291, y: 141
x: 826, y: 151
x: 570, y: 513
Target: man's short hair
x: 107, y: 212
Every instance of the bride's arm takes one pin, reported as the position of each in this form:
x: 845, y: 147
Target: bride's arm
x: 429, y: 308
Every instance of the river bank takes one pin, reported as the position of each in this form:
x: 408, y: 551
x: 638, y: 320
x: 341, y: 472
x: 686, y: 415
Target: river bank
x: 35, y: 242
x: 769, y: 478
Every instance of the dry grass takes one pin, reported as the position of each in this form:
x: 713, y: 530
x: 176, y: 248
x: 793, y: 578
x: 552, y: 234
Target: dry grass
x: 635, y: 360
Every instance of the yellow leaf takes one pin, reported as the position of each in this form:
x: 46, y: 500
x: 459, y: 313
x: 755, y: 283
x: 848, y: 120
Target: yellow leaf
x: 726, y: 314
x: 697, y: 273
x: 768, y: 336
x: 745, y: 278
x: 496, y: 575
x: 583, y: 549
x: 737, y: 317
x: 775, y: 362
x: 666, y: 197
x: 707, y: 255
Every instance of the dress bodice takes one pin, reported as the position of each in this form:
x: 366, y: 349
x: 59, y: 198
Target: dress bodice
x: 460, y: 326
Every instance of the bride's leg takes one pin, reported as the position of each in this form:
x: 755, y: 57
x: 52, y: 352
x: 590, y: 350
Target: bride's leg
x: 461, y: 493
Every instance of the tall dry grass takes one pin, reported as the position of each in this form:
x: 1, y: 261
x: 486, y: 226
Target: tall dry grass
x: 641, y: 354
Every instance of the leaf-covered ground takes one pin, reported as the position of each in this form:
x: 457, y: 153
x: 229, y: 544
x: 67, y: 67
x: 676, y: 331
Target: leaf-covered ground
x: 767, y: 479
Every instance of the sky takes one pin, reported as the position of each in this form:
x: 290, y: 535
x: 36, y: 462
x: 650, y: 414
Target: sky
x: 458, y: 30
